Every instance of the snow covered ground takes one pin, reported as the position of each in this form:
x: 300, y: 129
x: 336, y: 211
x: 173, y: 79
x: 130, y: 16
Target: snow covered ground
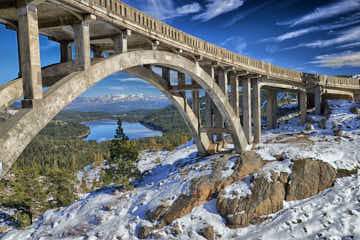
x: 113, y: 213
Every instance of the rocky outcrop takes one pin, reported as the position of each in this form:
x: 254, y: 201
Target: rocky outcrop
x: 308, y: 178
x: 205, y: 187
x: 266, y: 191
x: 266, y: 197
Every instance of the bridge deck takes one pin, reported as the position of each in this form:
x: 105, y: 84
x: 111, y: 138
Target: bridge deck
x: 110, y: 17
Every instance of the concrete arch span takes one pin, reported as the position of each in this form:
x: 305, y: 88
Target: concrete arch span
x: 27, y: 123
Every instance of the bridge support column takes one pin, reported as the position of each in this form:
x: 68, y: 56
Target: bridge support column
x: 82, y: 44
x: 223, y: 84
x: 303, y: 106
x: 256, y: 110
x: 246, y: 99
x: 28, y: 33
x: 165, y: 73
x: 196, y: 103
x: 65, y: 52
x: 271, y: 109
x: 209, y: 105
x: 317, y: 100
x: 234, y: 100
x: 121, y: 42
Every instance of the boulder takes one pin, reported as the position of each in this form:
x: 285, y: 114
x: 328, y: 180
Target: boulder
x: 144, y: 231
x: 208, y: 233
x: 308, y: 178
x: 200, y: 191
x: 266, y: 197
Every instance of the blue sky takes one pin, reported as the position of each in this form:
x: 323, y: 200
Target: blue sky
x: 306, y: 35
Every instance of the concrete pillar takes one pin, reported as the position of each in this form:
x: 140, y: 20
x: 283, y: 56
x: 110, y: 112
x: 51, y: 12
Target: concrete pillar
x: 209, y: 106
x: 234, y: 100
x: 121, y: 41
x: 181, y: 79
x: 28, y: 33
x: 196, y: 103
x: 165, y: 73
x: 303, y: 106
x: 271, y: 109
x: 318, y: 100
x: 256, y: 109
x: 65, y: 52
x: 222, y: 79
x: 246, y: 107
x: 82, y: 44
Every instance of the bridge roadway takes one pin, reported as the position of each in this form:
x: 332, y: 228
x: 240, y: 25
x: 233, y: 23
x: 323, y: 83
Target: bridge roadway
x: 109, y: 36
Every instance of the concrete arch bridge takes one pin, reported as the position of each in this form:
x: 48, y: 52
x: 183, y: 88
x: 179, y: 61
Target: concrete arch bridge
x: 109, y: 36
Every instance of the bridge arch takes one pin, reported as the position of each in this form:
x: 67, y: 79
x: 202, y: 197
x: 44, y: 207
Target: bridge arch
x: 28, y: 122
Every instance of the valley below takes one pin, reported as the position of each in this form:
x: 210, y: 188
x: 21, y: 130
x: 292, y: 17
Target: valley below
x: 300, y: 183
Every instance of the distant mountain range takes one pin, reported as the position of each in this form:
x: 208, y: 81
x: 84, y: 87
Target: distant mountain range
x: 118, y: 104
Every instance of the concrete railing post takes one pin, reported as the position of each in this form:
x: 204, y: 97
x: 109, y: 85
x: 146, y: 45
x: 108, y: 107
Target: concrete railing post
x: 256, y: 110
x: 28, y: 33
x: 271, y: 109
x: 82, y: 44
x: 246, y: 107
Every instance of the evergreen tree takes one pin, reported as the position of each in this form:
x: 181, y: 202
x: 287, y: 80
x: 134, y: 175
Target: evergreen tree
x: 123, y: 156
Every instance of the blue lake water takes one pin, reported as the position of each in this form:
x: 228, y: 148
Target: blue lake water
x: 103, y: 130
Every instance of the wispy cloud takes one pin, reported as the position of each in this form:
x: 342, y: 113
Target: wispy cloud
x: 329, y: 11
x: 349, y: 59
x: 237, y: 43
x: 248, y: 12
x: 165, y: 9
x: 348, y: 36
x: 304, y: 31
x: 349, y: 45
x: 216, y: 8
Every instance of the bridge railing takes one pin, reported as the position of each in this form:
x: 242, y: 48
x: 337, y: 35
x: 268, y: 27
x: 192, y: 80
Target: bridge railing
x: 197, y: 45
x: 201, y: 47
x: 339, y: 82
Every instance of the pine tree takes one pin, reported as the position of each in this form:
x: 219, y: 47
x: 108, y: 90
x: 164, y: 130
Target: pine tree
x: 123, y: 157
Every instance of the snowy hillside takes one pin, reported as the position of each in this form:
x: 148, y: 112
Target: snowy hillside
x: 113, y: 213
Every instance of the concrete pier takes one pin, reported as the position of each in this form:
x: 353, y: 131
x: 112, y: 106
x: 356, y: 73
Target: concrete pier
x: 28, y: 33
x: 82, y: 44
x: 256, y: 110
x: 247, y: 113
x: 271, y: 109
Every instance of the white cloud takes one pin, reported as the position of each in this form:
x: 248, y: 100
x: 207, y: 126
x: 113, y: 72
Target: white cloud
x: 189, y: 9
x: 349, y: 58
x: 350, y: 45
x: 355, y: 19
x: 237, y: 43
x: 248, y: 12
x: 348, y: 36
x: 216, y: 8
x: 329, y: 11
x: 166, y: 9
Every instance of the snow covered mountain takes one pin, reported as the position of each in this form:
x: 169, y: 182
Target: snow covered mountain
x: 118, y: 103
x: 113, y: 213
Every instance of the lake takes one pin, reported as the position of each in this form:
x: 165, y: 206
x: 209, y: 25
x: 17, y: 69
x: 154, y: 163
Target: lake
x: 103, y: 130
